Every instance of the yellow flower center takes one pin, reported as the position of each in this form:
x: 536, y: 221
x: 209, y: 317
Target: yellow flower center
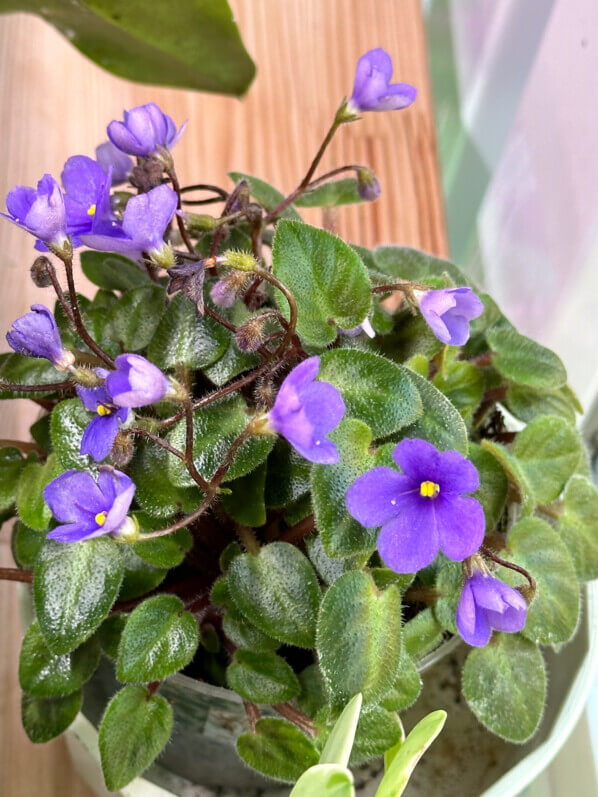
x: 101, y: 518
x: 104, y: 410
x: 429, y: 489
x: 91, y: 210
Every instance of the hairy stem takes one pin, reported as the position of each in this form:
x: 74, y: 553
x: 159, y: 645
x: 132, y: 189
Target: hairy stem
x: 295, y: 716
x: 14, y: 574
x: 511, y: 566
x: 253, y: 714
x: 189, y: 461
x: 49, y: 387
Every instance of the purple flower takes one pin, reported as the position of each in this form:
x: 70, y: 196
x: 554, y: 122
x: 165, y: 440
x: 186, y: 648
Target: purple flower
x: 365, y: 326
x: 110, y: 157
x: 136, y: 382
x: 368, y: 186
x: 144, y: 223
x: 87, y: 508
x: 39, y: 210
x: 373, y: 90
x: 223, y: 294
x: 305, y: 411
x: 422, y: 509
x: 35, y: 334
x: 86, y: 189
x: 144, y: 129
x: 448, y: 312
x: 99, y: 436
x: 487, y: 603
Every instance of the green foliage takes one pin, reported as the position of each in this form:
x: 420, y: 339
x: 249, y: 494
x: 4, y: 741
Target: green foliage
x: 194, y: 45
x: 526, y: 403
x: 135, y: 317
x: 492, y: 492
x: 44, y: 674
x: 69, y: 420
x: 277, y: 749
x: 463, y: 384
x: 326, y: 780
x: 20, y: 370
x: 406, y: 688
x: 25, y: 543
x: 268, y: 196
x: 504, y: 684
x: 578, y: 526
x: 262, y: 677
x: 134, y: 730
x: 422, y: 634
x: 440, y: 423
x: 74, y: 588
x: 32, y: 508
x: 523, y: 361
x: 329, y: 282
x: 139, y: 575
x: 278, y: 592
x: 288, y: 475
x: 331, y: 194
x: 337, y: 749
x: 155, y: 493
x: 168, y: 551
x: 12, y: 463
x: 159, y: 639
x: 45, y: 718
x: 113, y: 272
x: 515, y: 474
x: 359, y: 638
x: 405, y: 263
x: 246, y: 501
x: 375, y: 390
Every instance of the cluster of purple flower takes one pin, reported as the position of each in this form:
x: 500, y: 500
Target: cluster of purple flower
x: 424, y: 508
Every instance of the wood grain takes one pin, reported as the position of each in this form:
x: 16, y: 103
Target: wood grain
x: 54, y: 103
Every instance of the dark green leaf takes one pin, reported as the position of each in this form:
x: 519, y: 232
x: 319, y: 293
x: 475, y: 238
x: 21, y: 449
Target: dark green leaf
x: 12, y: 463
x: 74, y: 588
x: 406, y: 688
x: 523, y: 361
x: 134, y: 730
x: 277, y: 749
x: 526, y: 403
x: 504, y: 684
x: 440, y: 424
x: 40, y: 432
x: 46, y: 718
x: 262, y: 677
x: 113, y: 272
x: 244, y: 634
x: 109, y: 634
x: 32, y: 508
x: 168, y: 551
x: 463, y: 384
x: 20, y: 370
x: 288, y: 475
x: 359, y: 638
x: 578, y: 526
x: 375, y: 390
x: 266, y: 195
x: 69, y: 421
x: 422, y: 634
x: 135, y: 317
x: 185, y: 338
x: 377, y: 730
x: 159, y: 639
x: 405, y: 263
x: 26, y: 544
x: 277, y: 591
x: 514, y: 473
x: 331, y: 194
x: 44, y: 674
x: 140, y: 576
x: 330, y: 284
x: 246, y: 504
x: 492, y: 492
x: 155, y: 492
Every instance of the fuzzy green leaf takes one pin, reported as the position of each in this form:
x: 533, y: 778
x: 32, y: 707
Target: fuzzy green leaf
x: 375, y: 390
x: 504, y: 684
x: 288, y: 475
x: 134, y: 730
x: 69, y: 421
x: 74, y: 588
x: 12, y: 463
x: 113, y: 272
x: 406, y: 688
x: 578, y: 526
x: 139, y: 576
x: 32, y: 508
x: 20, y: 370
x: 441, y: 423
x: 262, y: 677
x: 44, y: 674
x: 526, y: 403
x: 492, y: 492
x: 135, y: 317
x: 167, y: 551
x: 277, y: 749
x: 330, y: 284
x: 463, y: 385
x: 45, y: 718
x: 159, y: 639
x: 359, y: 638
x: 244, y: 634
x: 155, y: 493
x: 25, y: 544
x: 523, y: 361
x: 278, y: 591
x: 246, y: 503
x: 515, y: 474
x: 422, y: 634
x: 110, y: 632
x: 405, y: 263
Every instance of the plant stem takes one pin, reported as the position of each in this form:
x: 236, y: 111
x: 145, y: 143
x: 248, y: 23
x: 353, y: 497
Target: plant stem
x: 248, y: 538
x: 60, y: 294
x: 134, y: 430
x: 298, y: 718
x: 24, y: 447
x: 511, y: 566
x: 15, y: 574
x: 253, y: 714
x: 49, y: 387
x: 189, y: 461
x: 299, y: 531
x: 185, y: 521
x: 290, y: 330
x: 171, y: 171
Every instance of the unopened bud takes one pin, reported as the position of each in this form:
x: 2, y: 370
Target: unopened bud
x: 264, y: 393
x: 147, y: 174
x: 368, y: 186
x: 199, y: 222
x: 129, y: 531
x: 242, y: 261
x: 85, y: 377
x: 122, y: 449
x: 41, y: 271
x: 163, y: 257
x: 250, y: 335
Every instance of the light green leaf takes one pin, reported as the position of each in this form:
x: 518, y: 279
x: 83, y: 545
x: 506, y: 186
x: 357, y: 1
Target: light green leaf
x: 504, y: 684
x: 526, y: 403
x: 397, y: 775
x: 422, y: 634
x: 548, y: 450
x: 359, y: 638
x: 277, y: 749
x: 330, y: 284
x: 330, y: 569
x: 441, y: 423
x: 337, y: 749
x: 25, y: 544
x: 159, y: 639
x: 523, y: 361
x: 492, y: 492
x: 185, y: 338
x: 406, y: 688
x: 45, y: 718
x: 578, y: 526
x: 244, y: 634
x: 262, y: 677
x: 377, y: 730
x: 325, y: 780
x: 74, y: 587
x: 375, y: 390
x: 134, y: 730
x: 515, y: 474
x: 554, y: 613
x: 405, y: 263
x: 113, y: 272
x: 44, y: 674
x: 463, y: 385
x: 278, y: 591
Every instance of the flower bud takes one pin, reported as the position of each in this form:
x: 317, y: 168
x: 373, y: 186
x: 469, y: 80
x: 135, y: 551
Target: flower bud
x: 250, y: 335
x: 199, y: 222
x: 123, y: 449
x: 264, y: 393
x: 242, y: 261
x: 129, y: 530
x: 147, y: 175
x: 368, y: 186
x: 40, y: 271
x: 85, y: 377
x: 163, y: 257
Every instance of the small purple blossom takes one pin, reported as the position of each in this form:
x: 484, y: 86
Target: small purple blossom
x: 223, y: 294
x: 305, y: 411
x: 39, y: 210
x: 421, y: 510
x: 35, y: 334
x: 373, y: 90
x: 448, y: 312
x: 487, y: 603
x: 136, y: 382
x: 368, y: 186
x: 86, y: 189
x: 144, y: 129
x: 110, y: 157
x: 99, y: 436
x: 87, y: 508
x: 365, y: 326
x: 145, y: 220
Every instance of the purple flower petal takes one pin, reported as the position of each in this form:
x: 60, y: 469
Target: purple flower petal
x: 461, y: 525
x: 36, y: 335
x: 120, y: 490
x: 418, y: 458
x: 409, y: 541
x: 487, y: 603
x: 75, y: 532
x: 110, y: 157
x: 147, y: 216
x: 39, y: 210
x: 376, y: 497
x: 99, y: 436
x: 448, y: 312
x: 136, y: 382
x: 74, y: 496
x: 373, y: 91
x: 471, y: 623
x: 144, y: 130
x: 457, y: 474
x: 324, y: 406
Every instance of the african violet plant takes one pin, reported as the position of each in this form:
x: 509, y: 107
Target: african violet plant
x: 278, y: 462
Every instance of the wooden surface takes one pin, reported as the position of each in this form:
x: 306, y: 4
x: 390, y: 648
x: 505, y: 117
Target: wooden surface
x: 54, y: 103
